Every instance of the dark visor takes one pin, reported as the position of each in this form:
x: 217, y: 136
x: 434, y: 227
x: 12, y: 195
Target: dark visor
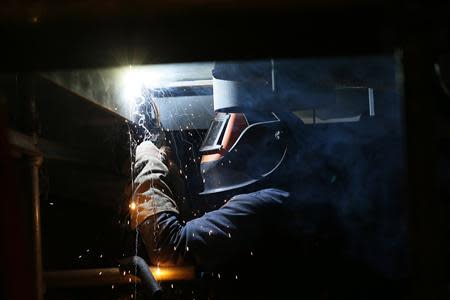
x: 213, y: 139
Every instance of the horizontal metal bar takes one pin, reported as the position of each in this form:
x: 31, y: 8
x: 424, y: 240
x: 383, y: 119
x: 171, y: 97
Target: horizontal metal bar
x: 111, y: 276
x: 25, y: 144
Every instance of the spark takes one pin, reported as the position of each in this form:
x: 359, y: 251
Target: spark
x: 132, y: 206
x: 100, y: 273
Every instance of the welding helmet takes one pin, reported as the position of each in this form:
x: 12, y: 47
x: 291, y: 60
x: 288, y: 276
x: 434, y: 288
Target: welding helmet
x: 242, y: 146
x: 241, y: 149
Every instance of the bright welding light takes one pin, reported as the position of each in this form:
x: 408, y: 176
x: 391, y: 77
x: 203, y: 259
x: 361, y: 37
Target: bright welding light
x: 132, y: 84
x: 137, y: 78
x: 132, y: 206
x: 173, y: 273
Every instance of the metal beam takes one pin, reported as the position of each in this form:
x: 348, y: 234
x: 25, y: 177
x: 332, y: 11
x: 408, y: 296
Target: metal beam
x: 27, y: 145
x: 112, y: 276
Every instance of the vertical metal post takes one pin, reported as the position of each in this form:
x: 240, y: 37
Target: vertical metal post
x: 36, y: 210
x: 273, y: 74
x: 371, y: 103
x: 36, y: 162
x: 425, y: 206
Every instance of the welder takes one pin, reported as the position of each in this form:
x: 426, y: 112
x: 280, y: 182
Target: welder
x: 276, y: 231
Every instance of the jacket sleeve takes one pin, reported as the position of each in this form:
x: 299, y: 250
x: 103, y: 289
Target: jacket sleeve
x: 154, y: 188
x: 217, y: 236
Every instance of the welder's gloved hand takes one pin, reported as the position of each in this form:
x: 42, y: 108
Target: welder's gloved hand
x: 153, y: 192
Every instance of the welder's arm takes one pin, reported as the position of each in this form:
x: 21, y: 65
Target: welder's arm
x: 154, y: 191
x: 215, y: 238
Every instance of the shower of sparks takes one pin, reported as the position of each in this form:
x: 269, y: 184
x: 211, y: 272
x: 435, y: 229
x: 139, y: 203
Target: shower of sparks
x: 140, y: 93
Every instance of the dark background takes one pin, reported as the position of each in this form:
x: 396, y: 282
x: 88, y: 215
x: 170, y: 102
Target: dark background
x: 49, y: 35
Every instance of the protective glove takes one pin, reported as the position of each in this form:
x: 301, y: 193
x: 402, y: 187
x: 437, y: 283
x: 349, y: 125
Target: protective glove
x: 152, y: 193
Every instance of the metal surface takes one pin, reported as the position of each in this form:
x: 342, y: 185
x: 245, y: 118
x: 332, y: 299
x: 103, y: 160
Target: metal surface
x: 116, y: 89
x: 109, y: 276
x: 182, y: 113
x: 301, y: 84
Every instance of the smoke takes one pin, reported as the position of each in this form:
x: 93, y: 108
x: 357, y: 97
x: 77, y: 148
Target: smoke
x: 351, y: 172
x: 356, y: 169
